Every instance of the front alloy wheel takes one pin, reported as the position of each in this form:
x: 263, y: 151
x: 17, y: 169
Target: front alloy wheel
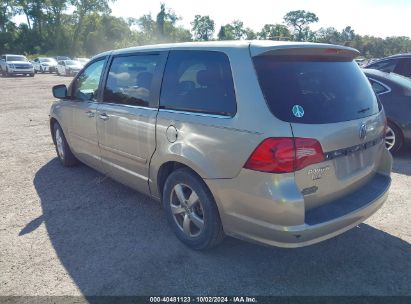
x: 59, y: 144
x: 63, y: 150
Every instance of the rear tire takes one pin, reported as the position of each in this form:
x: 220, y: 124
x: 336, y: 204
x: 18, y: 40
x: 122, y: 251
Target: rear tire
x: 393, y: 139
x: 191, y: 210
x: 63, y: 150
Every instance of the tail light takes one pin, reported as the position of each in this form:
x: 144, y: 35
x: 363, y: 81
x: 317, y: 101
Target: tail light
x: 285, y: 154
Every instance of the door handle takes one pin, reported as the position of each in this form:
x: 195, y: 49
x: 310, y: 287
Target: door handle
x: 104, y: 116
x: 90, y: 113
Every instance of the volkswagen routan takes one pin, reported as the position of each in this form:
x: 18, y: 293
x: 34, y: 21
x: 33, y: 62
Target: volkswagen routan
x: 279, y: 143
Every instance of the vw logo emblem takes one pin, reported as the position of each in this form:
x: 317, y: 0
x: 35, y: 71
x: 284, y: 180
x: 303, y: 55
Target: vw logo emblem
x: 363, y: 131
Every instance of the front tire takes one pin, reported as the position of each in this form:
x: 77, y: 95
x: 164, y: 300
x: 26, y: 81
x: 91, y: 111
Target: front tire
x: 393, y: 138
x: 64, y: 153
x: 191, y: 210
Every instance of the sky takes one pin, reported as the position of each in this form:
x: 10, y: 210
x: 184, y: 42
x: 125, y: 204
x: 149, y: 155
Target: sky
x: 380, y: 18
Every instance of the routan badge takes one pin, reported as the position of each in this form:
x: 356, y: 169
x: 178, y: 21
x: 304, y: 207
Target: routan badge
x: 298, y: 111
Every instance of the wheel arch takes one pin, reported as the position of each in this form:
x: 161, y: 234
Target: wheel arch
x: 166, y: 169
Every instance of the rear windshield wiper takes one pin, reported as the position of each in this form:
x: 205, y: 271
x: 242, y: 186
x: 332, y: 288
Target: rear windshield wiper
x: 363, y: 110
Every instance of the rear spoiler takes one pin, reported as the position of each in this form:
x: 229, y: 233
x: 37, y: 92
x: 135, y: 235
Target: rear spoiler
x: 287, y: 48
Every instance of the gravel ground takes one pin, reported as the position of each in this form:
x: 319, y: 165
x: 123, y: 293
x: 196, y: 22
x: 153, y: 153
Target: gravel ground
x: 74, y: 232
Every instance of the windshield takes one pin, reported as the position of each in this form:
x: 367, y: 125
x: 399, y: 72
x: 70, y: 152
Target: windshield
x: 16, y: 58
x: 316, y: 90
x: 72, y: 62
x: 51, y: 60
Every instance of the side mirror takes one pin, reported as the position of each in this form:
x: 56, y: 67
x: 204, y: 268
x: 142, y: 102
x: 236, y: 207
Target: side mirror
x: 60, y: 91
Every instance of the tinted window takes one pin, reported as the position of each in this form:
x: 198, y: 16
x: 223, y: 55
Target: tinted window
x: 404, y: 67
x: 130, y: 80
x: 385, y: 66
x: 198, y: 81
x: 85, y: 86
x: 314, y: 91
x: 377, y: 87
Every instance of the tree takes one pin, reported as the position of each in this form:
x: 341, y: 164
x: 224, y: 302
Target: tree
x: 328, y: 35
x: 164, y: 17
x: 82, y: 9
x: 202, y: 28
x: 347, y: 34
x: 226, y: 32
x: 274, y: 32
x: 299, y: 21
x: 8, y: 10
x: 250, y: 34
x: 239, y: 31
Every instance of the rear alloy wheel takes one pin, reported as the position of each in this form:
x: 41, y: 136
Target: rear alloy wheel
x: 191, y: 210
x: 393, y: 138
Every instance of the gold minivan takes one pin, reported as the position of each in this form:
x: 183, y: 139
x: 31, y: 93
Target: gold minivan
x: 279, y: 143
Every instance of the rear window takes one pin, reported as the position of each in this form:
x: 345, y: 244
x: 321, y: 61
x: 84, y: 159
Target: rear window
x: 316, y: 90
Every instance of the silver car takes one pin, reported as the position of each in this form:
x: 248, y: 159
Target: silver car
x: 278, y: 143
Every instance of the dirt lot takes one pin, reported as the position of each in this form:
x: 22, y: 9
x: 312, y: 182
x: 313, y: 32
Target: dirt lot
x: 72, y: 231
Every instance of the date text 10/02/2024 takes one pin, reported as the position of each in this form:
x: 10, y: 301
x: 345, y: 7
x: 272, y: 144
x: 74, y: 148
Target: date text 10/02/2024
x: 203, y: 300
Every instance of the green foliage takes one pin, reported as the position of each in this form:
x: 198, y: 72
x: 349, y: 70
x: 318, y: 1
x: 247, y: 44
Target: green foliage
x: 274, y: 32
x: 203, y: 28
x: 299, y: 21
x: 50, y: 30
x: 235, y: 31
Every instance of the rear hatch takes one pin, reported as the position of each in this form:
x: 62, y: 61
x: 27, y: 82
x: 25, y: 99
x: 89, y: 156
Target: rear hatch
x: 326, y: 98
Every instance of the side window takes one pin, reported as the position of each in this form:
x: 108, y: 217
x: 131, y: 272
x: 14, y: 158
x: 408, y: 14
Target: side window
x: 404, y: 67
x: 377, y: 87
x: 86, y: 84
x: 130, y: 79
x: 387, y: 66
x: 198, y: 81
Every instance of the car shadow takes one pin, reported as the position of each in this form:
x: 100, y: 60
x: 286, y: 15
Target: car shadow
x: 115, y: 241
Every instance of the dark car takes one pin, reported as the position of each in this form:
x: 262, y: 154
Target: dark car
x: 399, y: 64
x: 394, y: 92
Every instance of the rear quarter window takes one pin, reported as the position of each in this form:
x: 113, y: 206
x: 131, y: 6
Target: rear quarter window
x: 315, y: 91
x: 198, y: 81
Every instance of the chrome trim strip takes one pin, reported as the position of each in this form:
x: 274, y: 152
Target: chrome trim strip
x: 127, y: 106
x: 196, y: 113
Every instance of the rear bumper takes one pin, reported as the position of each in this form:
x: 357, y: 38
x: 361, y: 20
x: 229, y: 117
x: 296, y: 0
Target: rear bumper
x: 263, y: 208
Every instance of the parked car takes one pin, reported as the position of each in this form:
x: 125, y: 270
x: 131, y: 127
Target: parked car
x: 44, y: 64
x: 280, y: 143
x: 68, y: 67
x: 399, y: 64
x: 82, y: 60
x: 394, y: 91
x: 59, y: 58
x: 14, y: 65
